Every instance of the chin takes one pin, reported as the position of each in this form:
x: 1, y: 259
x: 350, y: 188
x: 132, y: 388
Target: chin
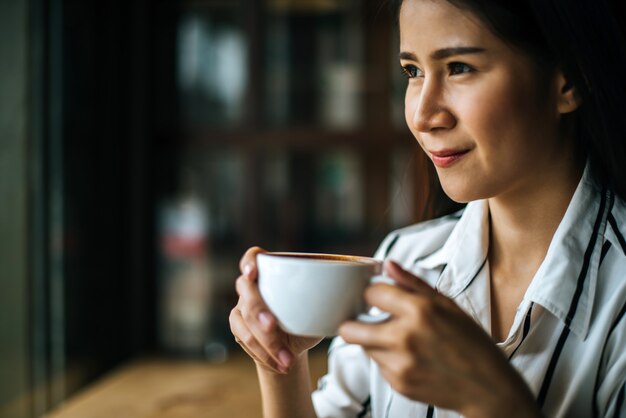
x: 461, y: 191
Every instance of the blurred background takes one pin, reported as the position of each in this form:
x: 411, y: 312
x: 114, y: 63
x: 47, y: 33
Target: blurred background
x: 145, y: 144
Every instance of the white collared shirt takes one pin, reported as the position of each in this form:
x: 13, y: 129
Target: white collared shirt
x: 568, y: 338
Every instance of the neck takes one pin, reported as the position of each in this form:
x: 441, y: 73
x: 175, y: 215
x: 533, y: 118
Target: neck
x: 523, y: 222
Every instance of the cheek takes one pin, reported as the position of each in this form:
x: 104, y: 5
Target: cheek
x: 498, y: 116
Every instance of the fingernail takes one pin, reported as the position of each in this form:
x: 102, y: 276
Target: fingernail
x: 265, y: 319
x: 285, y: 358
x: 247, y: 269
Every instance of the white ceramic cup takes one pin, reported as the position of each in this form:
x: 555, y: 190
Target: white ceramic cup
x: 312, y: 294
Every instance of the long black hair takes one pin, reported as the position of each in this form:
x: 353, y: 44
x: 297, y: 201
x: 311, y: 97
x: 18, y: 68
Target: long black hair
x: 585, y: 40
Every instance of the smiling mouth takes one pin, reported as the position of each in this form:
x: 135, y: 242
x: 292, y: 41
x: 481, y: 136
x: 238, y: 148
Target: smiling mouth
x: 446, y: 158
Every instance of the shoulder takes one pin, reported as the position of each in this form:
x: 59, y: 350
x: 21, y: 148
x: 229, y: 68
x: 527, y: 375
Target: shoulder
x: 418, y: 240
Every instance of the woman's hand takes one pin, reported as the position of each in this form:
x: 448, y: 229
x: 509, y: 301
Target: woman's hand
x: 256, y: 329
x: 432, y: 352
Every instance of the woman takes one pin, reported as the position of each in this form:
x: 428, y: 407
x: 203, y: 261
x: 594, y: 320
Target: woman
x: 514, y: 306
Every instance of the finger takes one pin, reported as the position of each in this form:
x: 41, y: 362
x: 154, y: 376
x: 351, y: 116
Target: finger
x: 252, y: 306
x: 370, y: 336
x: 247, y: 264
x: 381, y: 356
x: 246, y: 340
x: 403, y: 372
x: 239, y: 283
x: 389, y: 298
x: 261, y: 323
x: 407, y: 279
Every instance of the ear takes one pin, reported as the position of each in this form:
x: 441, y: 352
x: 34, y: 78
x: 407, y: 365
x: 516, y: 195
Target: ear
x: 568, y: 99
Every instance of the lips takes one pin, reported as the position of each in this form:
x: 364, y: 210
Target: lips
x: 446, y: 158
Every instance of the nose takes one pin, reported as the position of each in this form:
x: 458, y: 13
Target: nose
x: 430, y: 112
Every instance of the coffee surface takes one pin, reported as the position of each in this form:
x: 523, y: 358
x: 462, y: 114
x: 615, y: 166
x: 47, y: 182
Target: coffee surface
x: 341, y: 259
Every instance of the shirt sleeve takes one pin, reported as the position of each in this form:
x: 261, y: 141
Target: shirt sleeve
x: 344, y: 391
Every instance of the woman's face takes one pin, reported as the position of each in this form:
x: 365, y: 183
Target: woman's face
x: 477, y: 106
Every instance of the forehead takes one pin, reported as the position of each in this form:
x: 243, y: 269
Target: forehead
x: 431, y: 24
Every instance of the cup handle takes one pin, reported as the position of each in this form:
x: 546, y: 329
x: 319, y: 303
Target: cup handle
x: 375, y: 315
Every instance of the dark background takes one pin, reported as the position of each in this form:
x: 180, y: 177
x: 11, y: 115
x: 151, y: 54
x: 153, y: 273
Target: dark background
x: 108, y: 136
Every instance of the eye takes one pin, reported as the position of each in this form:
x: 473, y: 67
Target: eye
x: 459, y: 68
x: 411, y: 71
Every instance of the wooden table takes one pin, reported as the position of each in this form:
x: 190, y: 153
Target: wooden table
x: 157, y: 388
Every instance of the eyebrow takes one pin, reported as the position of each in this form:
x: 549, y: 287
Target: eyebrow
x: 445, y: 52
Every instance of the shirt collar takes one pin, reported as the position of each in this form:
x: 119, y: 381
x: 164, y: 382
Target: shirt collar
x: 572, y: 260
x: 464, y: 252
